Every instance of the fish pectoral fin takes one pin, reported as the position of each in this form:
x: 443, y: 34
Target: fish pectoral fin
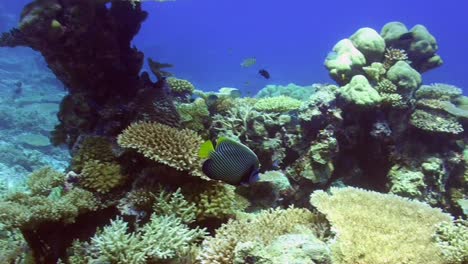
x: 206, y: 149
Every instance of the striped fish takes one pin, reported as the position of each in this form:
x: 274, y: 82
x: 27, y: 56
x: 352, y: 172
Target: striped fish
x: 231, y: 162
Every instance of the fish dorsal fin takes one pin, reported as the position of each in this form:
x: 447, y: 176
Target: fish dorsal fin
x: 206, y: 149
x: 223, y: 139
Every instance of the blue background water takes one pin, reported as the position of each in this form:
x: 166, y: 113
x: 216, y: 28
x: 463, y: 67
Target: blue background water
x: 207, y: 40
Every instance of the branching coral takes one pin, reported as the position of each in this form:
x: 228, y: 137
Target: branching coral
x: 101, y: 177
x: 42, y: 181
x: 393, y: 55
x: 176, y: 148
x: 167, y: 203
x: 27, y: 212
x: 435, y: 122
x: 452, y: 238
x: 194, y: 115
x: 92, y: 148
x: 263, y: 227
x: 164, y: 237
x: 380, y: 228
x: 180, y: 86
x: 214, y: 200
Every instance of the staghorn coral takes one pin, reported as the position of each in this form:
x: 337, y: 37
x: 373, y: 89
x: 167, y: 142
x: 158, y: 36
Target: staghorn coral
x: 452, y: 238
x: 42, y: 181
x: 214, y: 200
x: 101, y: 177
x: 163, y: 237
x: 263, y: 228
x: 393, y: 55
x: 386, y: 86
x: 435, y: 122
x: 167, y: 203
x: 277, y: 104
x: 180, y: 86
x: 176, y: 148
x: 379, y: 228
x: 26, y: 212
x: 12, y: 246
x: 92, y: 148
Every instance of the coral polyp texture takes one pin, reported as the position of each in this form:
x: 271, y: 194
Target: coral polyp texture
x: 379, y: 228
x: 176, y: 148
x: 180, y: 86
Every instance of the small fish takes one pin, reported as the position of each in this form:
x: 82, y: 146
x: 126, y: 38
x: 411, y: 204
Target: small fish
x: 231, y: 162
x: 264, y: 73
x: 248, y: 62
x: 409, y: 36
x: 18, y: 91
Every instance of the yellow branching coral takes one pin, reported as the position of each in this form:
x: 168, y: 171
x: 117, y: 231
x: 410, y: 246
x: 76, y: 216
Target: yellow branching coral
x: 262, y: 228
x: 214, y: 200
x: 176, y: 148
x: 277, y: 104
x: 92, y: 148
x: 180, y: 86
x: 167, y: 203
x: 42, y: 181
x: 379, y: 228
x: 101, y: 176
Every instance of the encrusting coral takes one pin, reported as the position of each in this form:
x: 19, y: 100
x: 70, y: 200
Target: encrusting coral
x: 379, y: 228
x: 176, y: 148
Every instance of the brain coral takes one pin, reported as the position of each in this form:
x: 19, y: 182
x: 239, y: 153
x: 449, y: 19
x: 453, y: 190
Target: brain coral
x: 176, y: 148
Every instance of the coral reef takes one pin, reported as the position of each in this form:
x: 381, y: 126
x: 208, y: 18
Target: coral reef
x: 135, y: 143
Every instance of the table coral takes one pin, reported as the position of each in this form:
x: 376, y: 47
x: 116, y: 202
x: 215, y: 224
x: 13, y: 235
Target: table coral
x: 263, y: 228
x: 435, y: 122
x: 176, y: 148
x: 277, y: 104
x: 380, y: 228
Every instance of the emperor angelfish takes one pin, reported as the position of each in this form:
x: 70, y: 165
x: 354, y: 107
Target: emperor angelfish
x: 231, y: 162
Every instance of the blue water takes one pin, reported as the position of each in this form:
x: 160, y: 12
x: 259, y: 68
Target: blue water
x: 207, y: 40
